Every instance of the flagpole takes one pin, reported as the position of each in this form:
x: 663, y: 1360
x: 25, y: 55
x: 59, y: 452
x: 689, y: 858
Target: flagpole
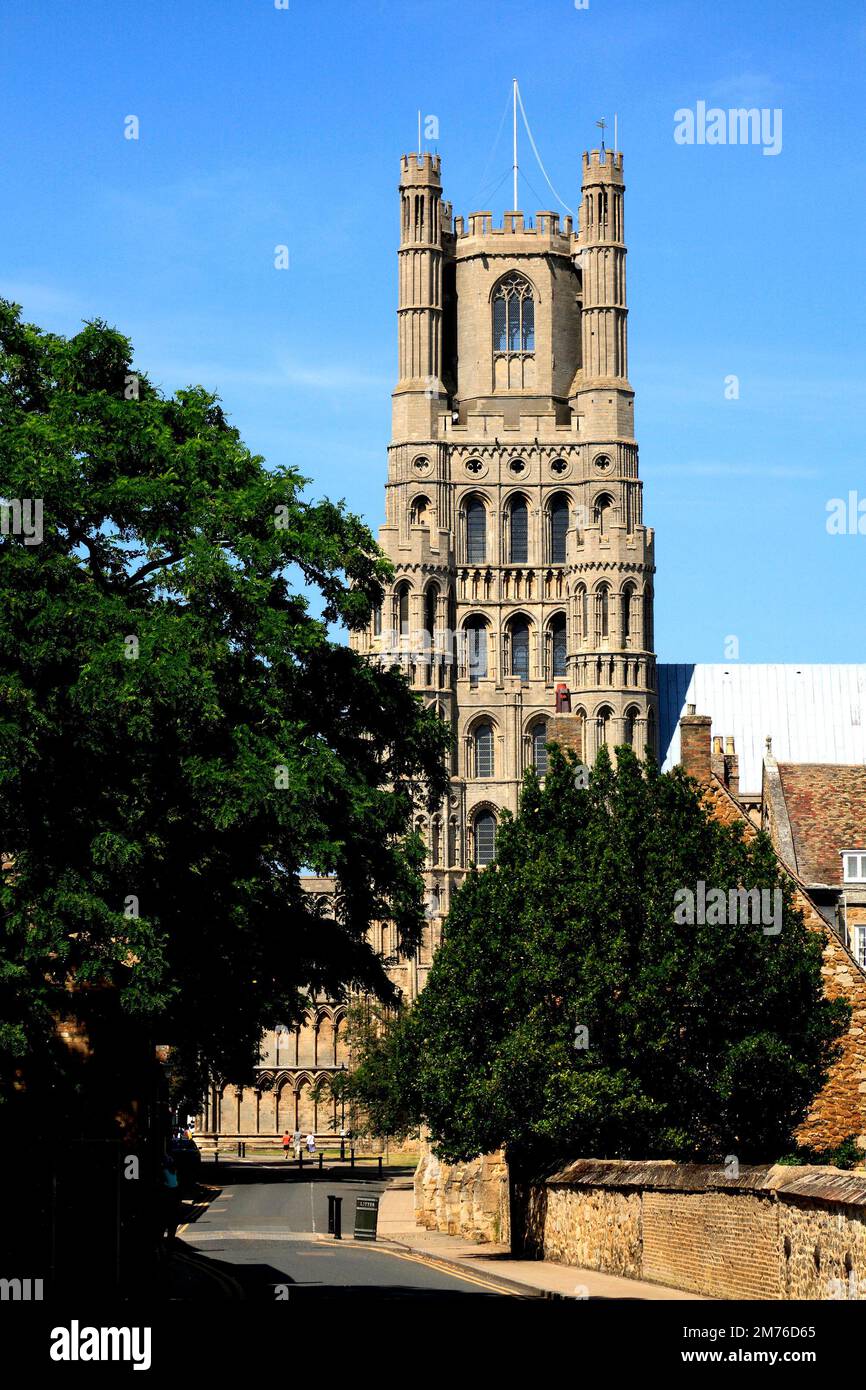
x: 514, y: 166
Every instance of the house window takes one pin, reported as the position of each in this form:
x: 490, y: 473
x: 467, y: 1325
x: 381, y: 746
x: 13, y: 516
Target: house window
x: 476, y: 531
x: 859, y: 945
x: 483, y: 741
x: 513, y: 316
x: 518, y: 550
x: 854, y: 866
x: 539, y: 747
x: 485, y: 839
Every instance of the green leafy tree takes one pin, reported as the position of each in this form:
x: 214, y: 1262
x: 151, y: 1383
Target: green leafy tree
x: 181, y: 736
x: 569, y: 1012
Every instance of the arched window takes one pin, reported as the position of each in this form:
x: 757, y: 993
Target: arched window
x: 648, y: 619
x: 602, y: 614
x: 583, y: 613
x: 631, y: 718
x: 377, y: 620
x: 559, y: 645
x: 401, y: 595
x: 435, y: 840
x: 651, y: 732
x: 476, y: 531
x: 431, y: 601
x: 476, y: 649
x: 518, y: 532
x: 605, y: 726
x: 485, y: 838
x: 520, y: 648
x: 513, y: 315
x: 627, y: 598
x: 482, y: 742
x: 419, y: 513
x: 558, y: 528
x: 539, y: 746
x: 602, y: 513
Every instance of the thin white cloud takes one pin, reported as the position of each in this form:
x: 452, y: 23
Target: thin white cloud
x: 217, y: 375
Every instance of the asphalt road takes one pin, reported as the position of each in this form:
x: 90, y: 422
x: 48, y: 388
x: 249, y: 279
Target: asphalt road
x: 259, y: 1236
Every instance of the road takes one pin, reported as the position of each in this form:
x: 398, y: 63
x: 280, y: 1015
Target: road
x: 265, y: 1234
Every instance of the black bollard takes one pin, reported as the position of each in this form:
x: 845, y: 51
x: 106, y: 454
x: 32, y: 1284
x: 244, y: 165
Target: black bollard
x: 338, y: 1218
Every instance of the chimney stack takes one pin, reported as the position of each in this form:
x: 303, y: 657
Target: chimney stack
x: 695, y: 744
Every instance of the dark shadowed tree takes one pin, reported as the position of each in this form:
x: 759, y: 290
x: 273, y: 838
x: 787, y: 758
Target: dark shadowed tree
x: 570, y: 1013
x: 181, y: 736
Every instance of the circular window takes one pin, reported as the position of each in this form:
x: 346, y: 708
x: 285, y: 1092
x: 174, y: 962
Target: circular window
x: 422, y: 465
x: 602, y: 463
x: 475, y: 467
x: 559, y: 467
x: 517, y: 466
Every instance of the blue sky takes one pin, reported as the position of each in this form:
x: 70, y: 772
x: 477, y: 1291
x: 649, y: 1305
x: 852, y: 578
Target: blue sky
x: 261, y: 126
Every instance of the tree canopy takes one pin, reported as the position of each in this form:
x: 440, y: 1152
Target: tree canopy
x: 570, y: 1012
x: 180, y: 736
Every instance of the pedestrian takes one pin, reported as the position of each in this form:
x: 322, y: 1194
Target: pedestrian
x: 311, y: 1144
x: 296, y: 1142
x: 170, y: 1199
x: 287, y: 1143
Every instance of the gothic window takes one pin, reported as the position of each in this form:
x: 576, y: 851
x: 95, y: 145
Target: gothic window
x: 601, y: 513
x: 482, y: 741
x: 559, y: 645
x: 476, y: 649
x: 631, y: 717
x: 648, y: 619
x: 431, y: 599
x: 627, y: 597
x: 518, y: 548
x: 476, y: 531
x: 402, y: 604
x: 435, y: 840
x: 420, y: 512
x: 583, y: 613
x: 377, y: 620
x: 520, y: 648
x: 513, y: 315
x: 605, y: 726
x: 558, y: 527
x: 539, y: 747
x: 485, y: 838
x: 602, y: 599
x: 651, y: 731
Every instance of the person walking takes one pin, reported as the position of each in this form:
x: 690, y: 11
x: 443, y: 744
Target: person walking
x: 170, y: 1200
x: 311, y: 1144
x: 296, y: 1142
x: 287, y: 1144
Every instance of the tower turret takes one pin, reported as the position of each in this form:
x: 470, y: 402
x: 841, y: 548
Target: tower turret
x: 416, y: 398
x: 601, y: 254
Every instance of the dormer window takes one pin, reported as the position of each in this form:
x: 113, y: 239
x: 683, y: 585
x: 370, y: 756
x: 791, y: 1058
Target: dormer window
x: 854, y: 865
x: 513, y: 315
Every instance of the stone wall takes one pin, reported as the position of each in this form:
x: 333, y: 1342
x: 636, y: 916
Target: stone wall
x: 769, y: 1233
x: 463, y: 1199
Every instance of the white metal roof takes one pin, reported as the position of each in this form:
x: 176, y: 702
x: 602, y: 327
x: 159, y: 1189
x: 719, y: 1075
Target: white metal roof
x: 814, y: 714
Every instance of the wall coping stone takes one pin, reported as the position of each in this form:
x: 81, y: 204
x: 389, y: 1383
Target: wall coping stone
x: 821, y: 1184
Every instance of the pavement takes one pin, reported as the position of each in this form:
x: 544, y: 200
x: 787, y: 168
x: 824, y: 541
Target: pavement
x: 260, y: 1231
x: 537, y: 1278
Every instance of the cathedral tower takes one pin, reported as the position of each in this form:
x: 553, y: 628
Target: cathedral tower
x: 523, y: 569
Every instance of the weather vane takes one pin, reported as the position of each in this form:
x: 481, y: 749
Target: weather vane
x: 603, y: 125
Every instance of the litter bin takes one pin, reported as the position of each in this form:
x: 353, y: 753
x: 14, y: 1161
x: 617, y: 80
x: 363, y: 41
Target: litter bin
x: 366, y: 1217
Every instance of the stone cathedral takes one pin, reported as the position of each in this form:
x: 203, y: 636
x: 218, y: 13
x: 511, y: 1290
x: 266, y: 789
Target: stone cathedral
x: 523, y: 570
x: 514, y: 519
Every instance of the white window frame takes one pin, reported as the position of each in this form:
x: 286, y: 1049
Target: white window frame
x: 858, y: 877
x: 858, y: 943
